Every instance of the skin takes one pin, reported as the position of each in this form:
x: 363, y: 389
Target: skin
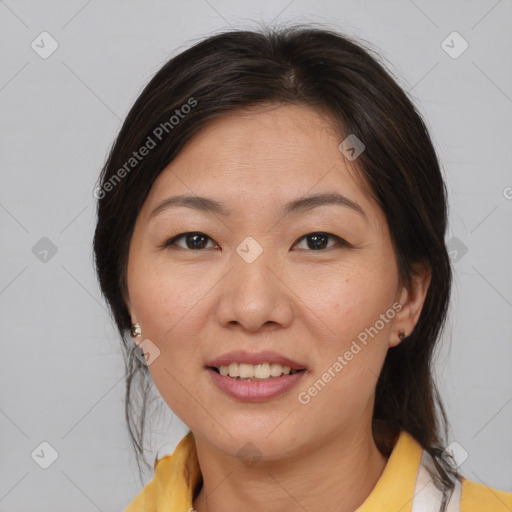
x: 307, y: 304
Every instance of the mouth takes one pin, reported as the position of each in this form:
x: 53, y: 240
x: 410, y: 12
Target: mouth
x: 255, y: 372
x: 255, y: 376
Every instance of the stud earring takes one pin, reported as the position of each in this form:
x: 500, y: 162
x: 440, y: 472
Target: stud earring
x: 402, y: 335
x: 136, y: 331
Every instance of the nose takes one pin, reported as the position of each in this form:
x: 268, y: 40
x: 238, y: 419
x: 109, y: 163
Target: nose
x: 254, y: 295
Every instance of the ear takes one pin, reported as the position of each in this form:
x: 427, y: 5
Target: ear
x: 133, y: 317
x: 126, y: 298
x: 131, y: 311
x: 411, y: 298
x: 132, y: 314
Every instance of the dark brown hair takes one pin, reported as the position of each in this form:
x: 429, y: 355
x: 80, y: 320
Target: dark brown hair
x: 330, y: 72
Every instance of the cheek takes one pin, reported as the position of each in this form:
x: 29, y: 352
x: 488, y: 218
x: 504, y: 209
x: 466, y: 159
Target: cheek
x: 164, y: 297
x: 358, y: 314
x: 171, y: 313
x: 354, y: 302
x: 342, y: 384
x: 170, y: 308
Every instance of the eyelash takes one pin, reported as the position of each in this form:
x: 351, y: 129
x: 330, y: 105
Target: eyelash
x: 172, y: 241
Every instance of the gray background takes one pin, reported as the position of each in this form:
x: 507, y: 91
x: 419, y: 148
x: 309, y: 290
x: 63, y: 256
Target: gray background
x: 61, y: 372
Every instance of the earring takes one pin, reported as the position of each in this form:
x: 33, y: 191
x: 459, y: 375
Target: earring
x: 402, y: 335
x: 136, y: 331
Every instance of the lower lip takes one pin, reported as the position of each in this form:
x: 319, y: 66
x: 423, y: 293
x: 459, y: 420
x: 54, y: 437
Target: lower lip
x: 255, y: 390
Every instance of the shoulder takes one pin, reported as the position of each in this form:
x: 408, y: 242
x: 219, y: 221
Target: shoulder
x: 148, y: 498
x: 476, y: 497
x: 144, y: 501
x: 176, y: 476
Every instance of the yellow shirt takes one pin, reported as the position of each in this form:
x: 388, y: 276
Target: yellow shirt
x: 404, y: 485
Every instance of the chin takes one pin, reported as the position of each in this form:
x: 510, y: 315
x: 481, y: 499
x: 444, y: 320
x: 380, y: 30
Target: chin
x: 245, y: 439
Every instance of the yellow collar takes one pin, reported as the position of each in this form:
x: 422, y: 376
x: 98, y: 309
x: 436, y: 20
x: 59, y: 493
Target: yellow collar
x: 394, y: 490
x: 177, y: 476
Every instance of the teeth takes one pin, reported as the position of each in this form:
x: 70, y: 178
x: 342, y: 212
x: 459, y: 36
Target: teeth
x: 246, y: 371
x: 233, y: 370
x: 276, y: 369
x: 258, y: 371
x: 262, y: 371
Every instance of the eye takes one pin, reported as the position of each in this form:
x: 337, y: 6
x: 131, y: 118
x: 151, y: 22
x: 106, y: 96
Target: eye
x: 194, y: 240
x: 317, y: 241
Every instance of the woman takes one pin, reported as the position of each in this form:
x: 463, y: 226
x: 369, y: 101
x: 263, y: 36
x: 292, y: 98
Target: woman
x: 271, y: 225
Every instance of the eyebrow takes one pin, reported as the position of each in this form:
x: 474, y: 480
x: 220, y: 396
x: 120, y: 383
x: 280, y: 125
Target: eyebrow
x: 208, y: 205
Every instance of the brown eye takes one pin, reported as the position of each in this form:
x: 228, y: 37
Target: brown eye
x: 193, y: 241
x: 319, y: 241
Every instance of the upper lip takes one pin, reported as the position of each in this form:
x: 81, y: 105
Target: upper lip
x: 241, y: 356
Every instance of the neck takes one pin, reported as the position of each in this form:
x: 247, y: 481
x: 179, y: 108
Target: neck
x: 335, y: 474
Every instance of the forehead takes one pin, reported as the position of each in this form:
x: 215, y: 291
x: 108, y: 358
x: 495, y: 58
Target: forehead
x: 267, y: 134
x: 271, y: 152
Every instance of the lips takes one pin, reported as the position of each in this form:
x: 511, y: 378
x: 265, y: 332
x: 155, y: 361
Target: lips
x: 254, y: 358
x: 255, y: 390
x: 231, y: 373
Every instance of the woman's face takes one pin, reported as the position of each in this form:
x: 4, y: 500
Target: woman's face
x: 271, y: 275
